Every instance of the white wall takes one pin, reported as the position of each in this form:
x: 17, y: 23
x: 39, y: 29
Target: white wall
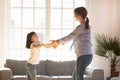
x: 104, y: 18
x: 2, y: 30
x: 4, y: 23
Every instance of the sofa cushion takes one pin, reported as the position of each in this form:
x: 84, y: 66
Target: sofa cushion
x: 19, y: 77
x: 59, y: 68
x: 43, y: 77
x: 41, y: 68
x: 61, y: 77
x: 18, y: 67
x: 23, y: 77
x: 86, y: 77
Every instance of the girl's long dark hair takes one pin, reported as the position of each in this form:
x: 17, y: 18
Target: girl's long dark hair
x: 83, y: 13
x: 29, y: 39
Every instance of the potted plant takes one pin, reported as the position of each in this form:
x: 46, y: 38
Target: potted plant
x: 108, y: 47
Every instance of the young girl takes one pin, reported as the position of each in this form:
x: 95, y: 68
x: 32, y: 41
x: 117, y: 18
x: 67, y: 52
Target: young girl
x: 34, y: 45
x: 82, y: 42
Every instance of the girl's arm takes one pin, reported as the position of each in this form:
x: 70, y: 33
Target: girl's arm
x: 48, y: 45
x: 37, y: 46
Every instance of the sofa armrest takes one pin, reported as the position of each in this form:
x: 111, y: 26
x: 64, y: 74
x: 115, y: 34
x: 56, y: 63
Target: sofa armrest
x: 95, y: 74
x: 5, y: 74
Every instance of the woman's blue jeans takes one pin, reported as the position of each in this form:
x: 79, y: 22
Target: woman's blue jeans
x: 82, y: 63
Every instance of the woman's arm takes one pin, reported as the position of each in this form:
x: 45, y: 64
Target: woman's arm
x: 72, y: 35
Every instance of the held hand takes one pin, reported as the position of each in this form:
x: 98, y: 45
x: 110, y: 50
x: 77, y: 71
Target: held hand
x: 54, y: 43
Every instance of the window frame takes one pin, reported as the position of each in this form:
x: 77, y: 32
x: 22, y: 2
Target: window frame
x: 47, y: 23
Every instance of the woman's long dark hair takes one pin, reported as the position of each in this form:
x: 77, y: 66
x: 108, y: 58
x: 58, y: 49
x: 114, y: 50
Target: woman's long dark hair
x: 29, y: 39
x: 83, y: 13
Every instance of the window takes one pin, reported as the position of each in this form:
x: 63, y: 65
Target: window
x: 51, y: 19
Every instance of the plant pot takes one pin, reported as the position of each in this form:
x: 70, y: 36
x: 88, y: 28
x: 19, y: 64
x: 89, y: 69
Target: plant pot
x: 114, y: 73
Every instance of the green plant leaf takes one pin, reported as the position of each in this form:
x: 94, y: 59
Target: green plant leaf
x: 104, y: 44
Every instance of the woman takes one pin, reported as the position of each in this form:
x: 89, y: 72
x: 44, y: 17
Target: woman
x: 82, y: 42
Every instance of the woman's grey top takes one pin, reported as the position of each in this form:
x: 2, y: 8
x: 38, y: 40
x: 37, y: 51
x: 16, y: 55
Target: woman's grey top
x: 81, y: 40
